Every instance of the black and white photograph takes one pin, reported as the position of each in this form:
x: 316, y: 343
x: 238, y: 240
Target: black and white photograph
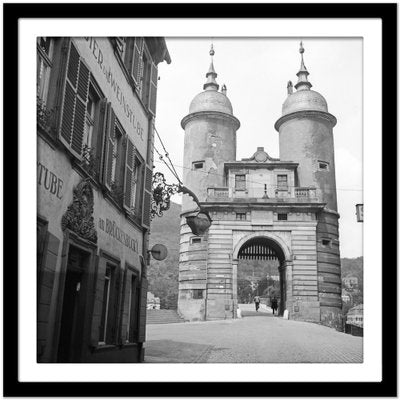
x: 177, y: 239
x: 198, y: 196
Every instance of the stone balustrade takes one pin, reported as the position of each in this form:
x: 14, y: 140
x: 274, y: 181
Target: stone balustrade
x: 301, y: 194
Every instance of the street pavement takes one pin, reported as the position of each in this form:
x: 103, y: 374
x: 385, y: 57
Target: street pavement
x: 258, y: 337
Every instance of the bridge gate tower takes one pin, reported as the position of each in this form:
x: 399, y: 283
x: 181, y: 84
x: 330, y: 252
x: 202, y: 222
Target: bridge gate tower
x: 284, y: 208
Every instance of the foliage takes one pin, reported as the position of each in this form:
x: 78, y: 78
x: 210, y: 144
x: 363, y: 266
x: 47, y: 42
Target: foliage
x: 90, y: 163
x: 353, y: 267
x: 163, y: 275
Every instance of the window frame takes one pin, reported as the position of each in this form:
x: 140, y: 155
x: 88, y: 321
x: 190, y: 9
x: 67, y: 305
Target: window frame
x: 279, y: 184
x: 326, y: 242
x: 196, y: 240
x: 241, y: 215
x: 104, y: 321
x: 111, y: 321
x: 325, y: 164
x: 46, y: 61
x: 145, y: 76
x: 117, y: 153
x: 282, y: 216
x: 196, y: 292
x: 241, y: 182
x: 94, y: 121
x: 133, y: 314
x: 195, y: 163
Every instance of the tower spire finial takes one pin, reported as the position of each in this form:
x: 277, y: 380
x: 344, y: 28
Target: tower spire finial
x: 302, y: 83
x: 211, y: 83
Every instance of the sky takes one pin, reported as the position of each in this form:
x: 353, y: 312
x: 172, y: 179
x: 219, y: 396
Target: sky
x: 256, y: 72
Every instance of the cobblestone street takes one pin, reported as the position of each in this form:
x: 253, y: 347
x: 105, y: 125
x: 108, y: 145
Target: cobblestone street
x: 256, y: 338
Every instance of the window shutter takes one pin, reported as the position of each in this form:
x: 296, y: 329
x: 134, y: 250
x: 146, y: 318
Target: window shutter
x: 73, y: 66
x: 99, y: 137
x: 129, y: 182
x: 153, y: 89
x: 142, y: 310
x: 75, y: 100
x: 147, y: 197
x: 109, y: 147
x: 137, y: 66
x: 128, y: 59
x: 68, y: 114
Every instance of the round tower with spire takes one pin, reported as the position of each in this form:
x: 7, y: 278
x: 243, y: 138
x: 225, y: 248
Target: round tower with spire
x: 306, y: 137
x: 210, y: 141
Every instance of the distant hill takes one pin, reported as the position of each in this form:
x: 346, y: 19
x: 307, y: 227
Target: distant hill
x: 353, y: 267
x: 163, y: 275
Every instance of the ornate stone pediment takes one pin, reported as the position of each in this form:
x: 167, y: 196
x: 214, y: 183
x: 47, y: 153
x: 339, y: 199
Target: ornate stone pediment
x: 261, y: 156
x: 79, y: 215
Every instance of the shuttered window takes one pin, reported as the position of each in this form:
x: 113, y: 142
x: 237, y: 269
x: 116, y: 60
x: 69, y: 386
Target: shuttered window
x: 147, y: 197
x: 73, y: 120
x: 153, y: 89
x: 133, y: 183
x: 131, y: 172
x: 145, y: 87
x: 137, y: 62
x: 109, y: 322
x: 121, y: 45
x: 109, y: 147
x: 44, y: 64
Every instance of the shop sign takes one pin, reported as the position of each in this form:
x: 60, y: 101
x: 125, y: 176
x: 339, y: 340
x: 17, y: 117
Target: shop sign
x: 113, y: 230
x: 50, y: 181
x: 115, y: 85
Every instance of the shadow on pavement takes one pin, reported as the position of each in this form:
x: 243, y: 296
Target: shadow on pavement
x: 254, y: 313
x: 170, y: 351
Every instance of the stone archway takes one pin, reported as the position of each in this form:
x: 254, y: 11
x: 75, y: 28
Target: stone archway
x: 265, y: 246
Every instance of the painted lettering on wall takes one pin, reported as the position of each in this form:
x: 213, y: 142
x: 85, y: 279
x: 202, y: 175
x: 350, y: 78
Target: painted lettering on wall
x: 50, y: 181
x: 107, y: 71
x: 111, y: 228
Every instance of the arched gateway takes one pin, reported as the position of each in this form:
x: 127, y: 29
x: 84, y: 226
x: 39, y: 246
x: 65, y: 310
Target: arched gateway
x: 263, y: 247
x: 261, y: 207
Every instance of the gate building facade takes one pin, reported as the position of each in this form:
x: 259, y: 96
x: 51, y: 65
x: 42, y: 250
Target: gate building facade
x: 262, y: 208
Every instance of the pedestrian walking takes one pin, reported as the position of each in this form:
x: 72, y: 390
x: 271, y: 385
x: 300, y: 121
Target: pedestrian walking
x: 274, y: 305
x: 257, y: 302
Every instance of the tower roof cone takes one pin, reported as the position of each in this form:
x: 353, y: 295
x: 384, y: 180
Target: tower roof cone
x: 303, y: 83
x: 211, y: 83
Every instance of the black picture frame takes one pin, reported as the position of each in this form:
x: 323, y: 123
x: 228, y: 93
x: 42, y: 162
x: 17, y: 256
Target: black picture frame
x: 11, y: 247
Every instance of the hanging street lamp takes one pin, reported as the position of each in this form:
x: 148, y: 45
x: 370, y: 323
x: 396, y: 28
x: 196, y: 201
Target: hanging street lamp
x: 199, y: 222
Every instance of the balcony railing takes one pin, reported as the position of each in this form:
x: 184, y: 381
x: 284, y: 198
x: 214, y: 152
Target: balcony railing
x: 219, y: 193
x: 309, y: 193
x: 301, y: 194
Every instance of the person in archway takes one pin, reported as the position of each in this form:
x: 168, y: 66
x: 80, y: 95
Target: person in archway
x: 274, y: 305
x: 257, y: 302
